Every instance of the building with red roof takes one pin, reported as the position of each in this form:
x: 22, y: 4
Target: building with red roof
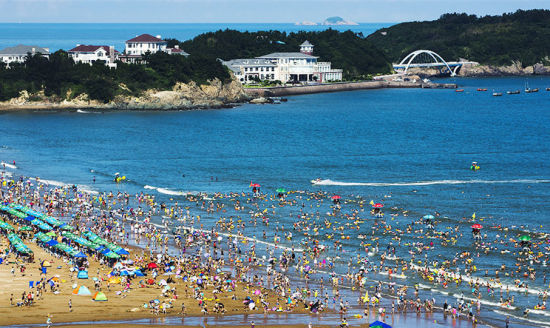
x: 89, y: 53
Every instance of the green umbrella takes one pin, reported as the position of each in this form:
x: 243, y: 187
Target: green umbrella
x: 51, y: 234
x: 524, y: 238
x: 25, y: 228
x: 281, y: 190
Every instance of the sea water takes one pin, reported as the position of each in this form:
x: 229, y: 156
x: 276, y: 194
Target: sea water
x: 408, y: 148
x: 66, y: 36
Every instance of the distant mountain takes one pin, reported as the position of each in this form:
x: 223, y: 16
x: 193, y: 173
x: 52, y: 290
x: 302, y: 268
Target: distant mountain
x: 335, y: 20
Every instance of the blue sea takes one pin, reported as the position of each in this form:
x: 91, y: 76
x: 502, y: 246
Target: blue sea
x: 408, y: 148
x: 66, y: 36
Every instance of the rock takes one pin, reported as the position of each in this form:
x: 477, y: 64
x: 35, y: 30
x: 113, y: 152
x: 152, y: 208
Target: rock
x: 182, y: 96
x: 260, y: 100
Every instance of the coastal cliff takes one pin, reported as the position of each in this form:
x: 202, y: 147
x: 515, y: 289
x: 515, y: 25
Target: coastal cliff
x: 190, y: 95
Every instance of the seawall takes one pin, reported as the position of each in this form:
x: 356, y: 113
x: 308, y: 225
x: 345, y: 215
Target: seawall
x: 337, y: 87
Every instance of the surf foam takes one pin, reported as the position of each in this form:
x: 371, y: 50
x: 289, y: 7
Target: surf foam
x: 329, y: 182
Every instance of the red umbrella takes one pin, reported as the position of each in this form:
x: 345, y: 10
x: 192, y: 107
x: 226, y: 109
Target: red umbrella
x: 256, y: 185
x: 477, y: 226
x: 336, y: 197
x: 377, y: 205
x: 150, y: 281
x: 152, y: 265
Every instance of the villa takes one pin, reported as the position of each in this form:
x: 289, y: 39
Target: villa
x: 146, y: 43
x: 88, y: 54
x: 252, y: 70
x: 287, y: 67
x: 19, y: 53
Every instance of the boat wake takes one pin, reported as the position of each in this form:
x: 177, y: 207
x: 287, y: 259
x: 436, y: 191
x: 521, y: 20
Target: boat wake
x: 329, y: 182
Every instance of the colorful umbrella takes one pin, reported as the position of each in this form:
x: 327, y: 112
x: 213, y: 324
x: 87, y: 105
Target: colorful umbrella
x: 377, y: 205
x: 524, y: 238
x: 477, y: 226
x: 281, y: 190
x: 336, y: 197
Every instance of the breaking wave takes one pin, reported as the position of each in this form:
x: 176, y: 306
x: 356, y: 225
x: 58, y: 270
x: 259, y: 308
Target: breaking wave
x: 329, y: 182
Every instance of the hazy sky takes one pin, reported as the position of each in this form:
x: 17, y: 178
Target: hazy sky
x: 248, y: 11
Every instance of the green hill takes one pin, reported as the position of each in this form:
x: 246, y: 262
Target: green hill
x: 497, y: 40
x: 346, y: 50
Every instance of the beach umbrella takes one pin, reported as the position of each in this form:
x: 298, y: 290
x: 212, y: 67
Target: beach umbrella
x: 377, y: 205
x: 256, y: 185
x: 477, y: 226
x: 50, y: 233
x: 335, y: 197
x: 428, y: 217
x: 281, y: 190
x: 524, y: 238
x: 152, y: 265
x: 25, y: 228
x: 379, y: 324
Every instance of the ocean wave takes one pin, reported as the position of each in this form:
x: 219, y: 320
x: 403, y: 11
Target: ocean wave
x: 82, y: 111
x: 8, y: 165
x: 541, y: 323
x: 329, y: 182
x: 52, y: 183
x: 166, y: 191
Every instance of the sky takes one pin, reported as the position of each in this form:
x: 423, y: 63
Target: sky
x: 247, y: 11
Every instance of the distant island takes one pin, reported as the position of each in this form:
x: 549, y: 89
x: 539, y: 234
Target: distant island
x: 331, y: 21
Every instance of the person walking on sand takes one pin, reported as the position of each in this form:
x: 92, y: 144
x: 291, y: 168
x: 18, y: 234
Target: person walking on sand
x: 70, y: 305
x: 49, y: 321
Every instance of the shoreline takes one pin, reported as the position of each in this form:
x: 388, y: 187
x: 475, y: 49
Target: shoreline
x: 342, y: 86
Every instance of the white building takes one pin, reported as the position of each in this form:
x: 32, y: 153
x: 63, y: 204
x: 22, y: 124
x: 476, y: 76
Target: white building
x: 288, y: 67
x: 19, y: 53
x: 176, y: 51
x: 141, y: 44
x: 89, y: 54
x: 250, y: 70
x: 144, y: 43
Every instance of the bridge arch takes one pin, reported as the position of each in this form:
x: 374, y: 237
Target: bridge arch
x: 407, y: 61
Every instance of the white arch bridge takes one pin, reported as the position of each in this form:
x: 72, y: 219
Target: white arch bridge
x: 428, y: 59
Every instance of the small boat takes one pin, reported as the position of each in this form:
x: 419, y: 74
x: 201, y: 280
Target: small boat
x: 316, y: 181
x: 481, y: 89
x: 515, y: 92
x: 497, y: 94
x: 547, y: 89
x: 459, y: 90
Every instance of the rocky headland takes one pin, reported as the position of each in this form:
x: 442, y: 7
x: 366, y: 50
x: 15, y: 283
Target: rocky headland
x: 182, y: 96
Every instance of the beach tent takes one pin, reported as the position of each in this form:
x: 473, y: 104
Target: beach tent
x: 82, y: 291
x: 379, y: 324
x: 46, y: 264
x: 80, y: 254
x: 99, y: 296
x: 82, y: 274
x: 138, y: 273
x: 114, y: 280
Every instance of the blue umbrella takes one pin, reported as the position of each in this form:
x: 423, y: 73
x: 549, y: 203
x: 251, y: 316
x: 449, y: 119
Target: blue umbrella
x: 80, y: 254
x: 52, y: 242
x: 122, y: 251
x: 429, y: 216
x: 379, y: 324
x: 124, y: 273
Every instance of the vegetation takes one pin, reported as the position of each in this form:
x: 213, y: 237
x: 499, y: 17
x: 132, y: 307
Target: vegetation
x: 499, y: 40
x: 347, y: 50
x: 60, y: 77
